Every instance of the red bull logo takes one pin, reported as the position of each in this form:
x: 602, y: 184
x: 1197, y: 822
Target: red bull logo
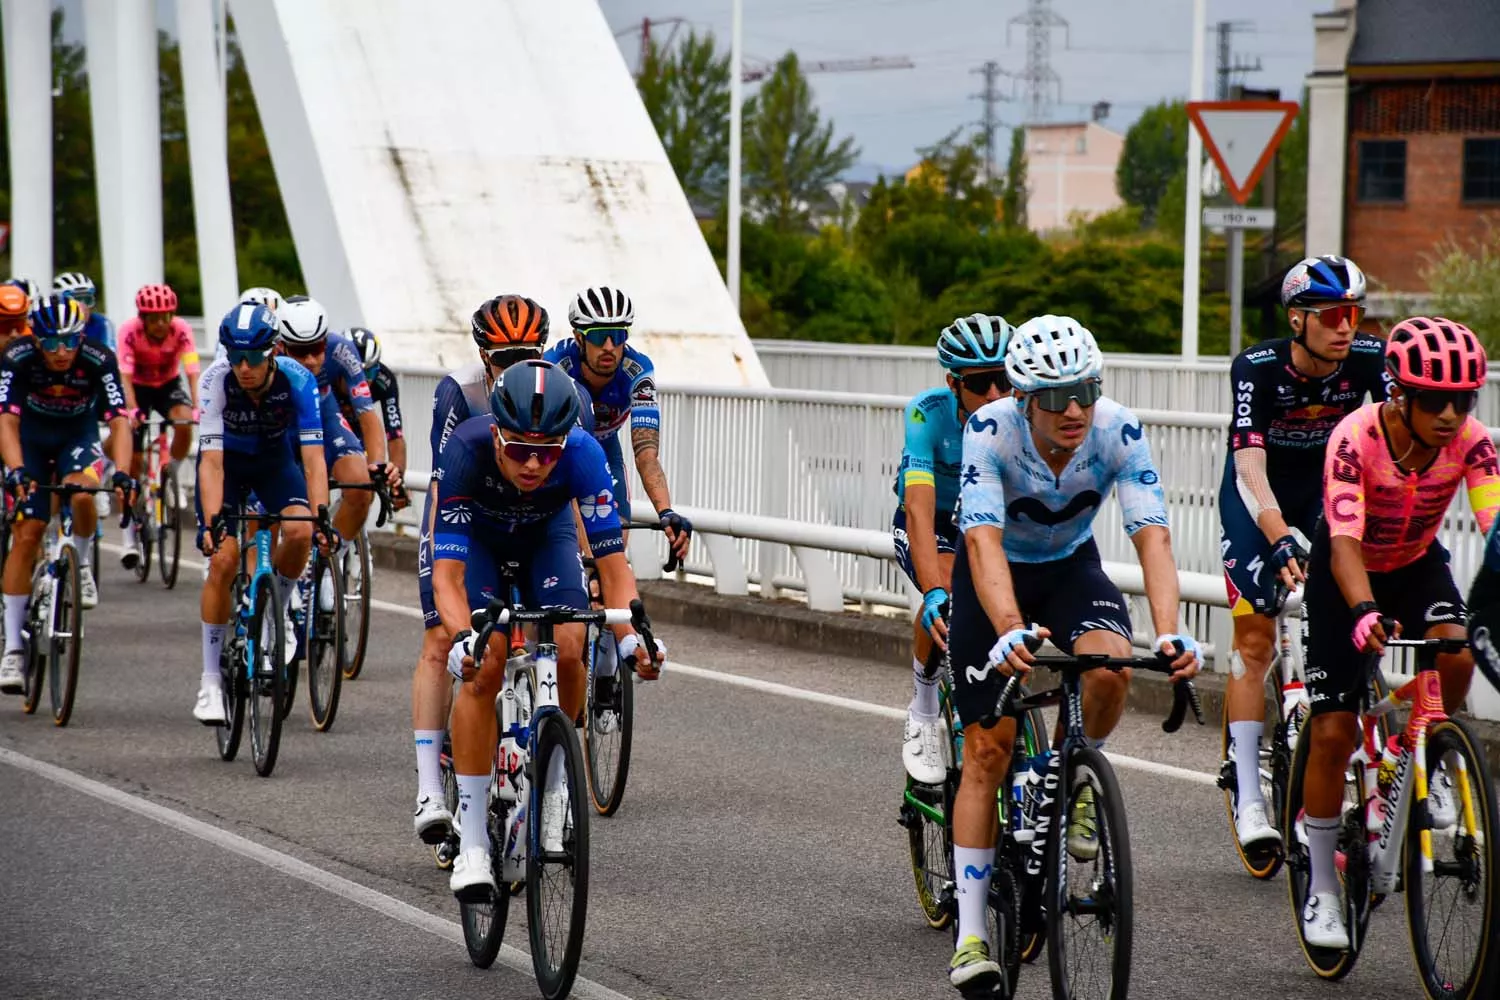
x: 1315, y: 411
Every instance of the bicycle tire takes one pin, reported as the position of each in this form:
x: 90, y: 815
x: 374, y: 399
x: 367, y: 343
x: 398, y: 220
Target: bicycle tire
x: 145, y: 533
x: 169, y: 530
x: 1004, y: 924
x: 323, y: 652
x: 1032, y: 940
x: 933, y: 880
x: 66, y: 646
x: 291, y: 667
x: 1326, y: 962
x: 443, y: 854
x: 1472, y: 855
x: 1265, y: 862
x: 36, y: 657
x: 556, y: 963
x: 232, y: 671
x: 1113, y: 837
x: 266, y: 677
x: 353, y: 661
x: 606, y: 782
x: 484, y: 921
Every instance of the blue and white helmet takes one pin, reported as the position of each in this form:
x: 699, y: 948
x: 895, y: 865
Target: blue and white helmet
x: 975, y: 341
x: 1052, y: 350
x: 1329, y: 278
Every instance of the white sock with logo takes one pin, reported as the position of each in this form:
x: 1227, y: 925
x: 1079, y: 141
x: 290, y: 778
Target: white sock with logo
x: 971, y: 868
x: 924, y: 698
x: 429, y: 744
x: 473, y: 800
x: 1244, y: 739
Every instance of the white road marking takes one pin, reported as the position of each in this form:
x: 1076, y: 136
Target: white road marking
x: 361, y: 895
x: 818, y: 697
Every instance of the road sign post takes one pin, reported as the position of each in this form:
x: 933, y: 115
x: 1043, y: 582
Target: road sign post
x: 1241, y: 136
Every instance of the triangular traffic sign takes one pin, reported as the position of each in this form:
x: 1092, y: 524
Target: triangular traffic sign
x: 1241, y: 136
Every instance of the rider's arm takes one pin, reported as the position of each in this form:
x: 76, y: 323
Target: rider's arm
x: 344, y: 357
x: 917, y: 470
x: 645, y: 437
x: 588, y: 477
x: 449, y: 596
x: 1153, y: 547
x: 1482, y: 476
x: 373, y: 435
x: 315, y: 468
x: 395, y: 435
x: 189, y: 358
x: 455, y: 480
x: 617, y: 584
x: 126, y: 360
x: 981, y: 507
x: 11, y: 394
x: 1143, y: 508
x: 1254, y: 487
x: 113, y: 412
x: 1344, y: 512
x: 210, y: 482
x: 1247, y: 443
x: 309, y: 431
x: 10, y: 440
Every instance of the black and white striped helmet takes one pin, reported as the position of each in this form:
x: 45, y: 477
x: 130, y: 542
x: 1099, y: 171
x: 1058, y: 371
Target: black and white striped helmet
x: 303, y: 320
x: 601, y: 306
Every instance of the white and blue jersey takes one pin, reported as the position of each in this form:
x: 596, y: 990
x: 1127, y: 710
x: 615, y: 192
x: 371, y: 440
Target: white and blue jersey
x: 630, y: 395
x: 285, y: 417
x: 1045, y: 516
x: 99, y: 330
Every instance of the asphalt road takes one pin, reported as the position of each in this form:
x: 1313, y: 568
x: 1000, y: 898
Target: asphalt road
x: 756, y: 856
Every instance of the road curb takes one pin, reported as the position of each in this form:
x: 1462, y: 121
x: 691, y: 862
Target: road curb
x: 884, y: 642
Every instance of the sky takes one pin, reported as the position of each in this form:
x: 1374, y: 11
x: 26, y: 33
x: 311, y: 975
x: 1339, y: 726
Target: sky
x: 1132, y: 53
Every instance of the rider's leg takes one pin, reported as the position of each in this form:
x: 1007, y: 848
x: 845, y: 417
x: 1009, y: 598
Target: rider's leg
x: 475, y: 734
x: 354, y: 505
x: 1245, y: 700
x: 182, y: 434
x: 431, y: 694
x: 25, y: 540
x: 85, y: 516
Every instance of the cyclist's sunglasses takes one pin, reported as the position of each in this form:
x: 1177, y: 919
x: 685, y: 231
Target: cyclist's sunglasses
x: 63, y: 342
x: 547, y: 453
x: 599, y: 335
x: 1332, y: 317
x: 979, y: 382
x: 82, y: 298
x: 504, y: 358
x: 1055, y: 399
x: 254, y: 359
x: 305, y: 350
x: 1435, y: 401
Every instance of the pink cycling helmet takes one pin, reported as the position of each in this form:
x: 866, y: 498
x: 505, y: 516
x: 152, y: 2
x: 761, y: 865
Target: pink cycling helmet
x: 156, y: 299
x: 1435, y: 353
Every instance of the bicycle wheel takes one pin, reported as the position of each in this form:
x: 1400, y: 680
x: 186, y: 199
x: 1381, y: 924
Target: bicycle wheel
x: 1263, y: 860
x: 1033, y: 926
x: 1450, y: 909
x: 929, y: 835
x: 444, y: 853
x: 357, y: 572
x: 557, y: 881
x: 607, y: 731
x: 232, y: 677
x: 144, y: 513
x: 484, y: 921
x: 325, y: 648
x: 169, y: 531
x: 306, y: 597
x: 66, y: 646
x: 266, y: 677
x: 1089, y: 900
x: 1327, y: 962
x: 36, y: 655
x: 1003, y: 918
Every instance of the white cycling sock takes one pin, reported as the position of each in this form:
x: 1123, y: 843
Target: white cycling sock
x: 1244, y: 747
x: 1322, y: 841
x: 473, y: 800
x: 15, y: 620
x: 285, y: 586
x: 972, y: 867
x: 556, y: 776
x: 429, y: 763
x: 127, y: 535
x: 213, y: 642
x: 924, y: 698
x: 85, y: 546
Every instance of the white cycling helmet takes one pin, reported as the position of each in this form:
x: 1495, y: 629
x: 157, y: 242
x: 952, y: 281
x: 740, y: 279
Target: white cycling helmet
x: 303, y: 320
x: 262, y: 296
x: 601, y: 306
x: 1051, y: 350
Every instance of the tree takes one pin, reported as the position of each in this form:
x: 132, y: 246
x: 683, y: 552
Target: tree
x: 1465, y: 283
x: 1155, y: 150
x: 790, y: 153
x: 686, y: 93
x: 1013, y: 200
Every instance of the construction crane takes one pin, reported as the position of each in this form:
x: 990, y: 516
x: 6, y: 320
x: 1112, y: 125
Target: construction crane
x: 757, y: 68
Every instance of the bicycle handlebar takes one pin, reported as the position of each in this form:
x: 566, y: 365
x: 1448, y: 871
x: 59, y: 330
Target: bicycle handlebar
x: 378, y: 486
x: 497, y: 614
x: 673, y: 563
x: 223, y: 519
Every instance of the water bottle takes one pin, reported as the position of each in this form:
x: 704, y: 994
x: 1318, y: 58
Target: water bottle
x: 507, y: 770
x: 513, y: 860
x: 1381, y: 782
x: 1028, y: 782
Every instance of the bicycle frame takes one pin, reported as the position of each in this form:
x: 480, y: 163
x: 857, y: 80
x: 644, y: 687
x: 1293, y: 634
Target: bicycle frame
x: 261, y: 577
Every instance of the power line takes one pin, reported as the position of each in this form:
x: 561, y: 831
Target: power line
x: 1230, y: 65
x: 1039, y: 76
x: 991, y: 97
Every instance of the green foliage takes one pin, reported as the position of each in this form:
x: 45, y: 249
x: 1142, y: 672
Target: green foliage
x: 1154, y: 153
x: 790, y: 153
x: 686, y: 93
x: 1013, y: 201
x: 1465, y: 282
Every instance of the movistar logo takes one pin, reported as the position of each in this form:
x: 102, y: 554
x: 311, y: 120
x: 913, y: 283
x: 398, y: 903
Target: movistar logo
x: 975, y: 872
x: 1130, y: 432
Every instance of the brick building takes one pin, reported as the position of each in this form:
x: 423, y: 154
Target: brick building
x: 1404, y: 132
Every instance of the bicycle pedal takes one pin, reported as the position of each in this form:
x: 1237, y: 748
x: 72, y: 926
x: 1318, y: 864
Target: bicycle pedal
x: 476, y: 895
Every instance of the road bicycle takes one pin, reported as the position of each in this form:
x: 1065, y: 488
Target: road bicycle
x: 159, y: 508
x: 1392, y: 839
x: 252, y: 661
x: 54, y: 618
x: 1033, y: 892
x: 536, y: 833
x: 356, y: 571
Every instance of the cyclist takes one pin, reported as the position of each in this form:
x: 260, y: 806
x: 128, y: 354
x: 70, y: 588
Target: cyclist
x: 153, y: 346
x: 386, y: 393
x: 334, y: 361
x: 261, y: 432
x: 1288, y: 396
x: 80, y: 288
x: 33, y: 290
x: 972, y: 351
x: 15, y: 309
x: 1391, y: 470
x: 507, y: 330
x: 507, y: 481
x: 622, y: 383
x: 52, y: 385
x: 1035, y: 470
x: 260, y: 296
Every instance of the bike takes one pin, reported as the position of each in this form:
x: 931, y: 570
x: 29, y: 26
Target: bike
x: 252, y: 662
x: 1391, y: 840
x: 356, y: 571
x: 533, y: 731
x: 54, y: 618
x: 1032, y: 890
x: 158, y: 510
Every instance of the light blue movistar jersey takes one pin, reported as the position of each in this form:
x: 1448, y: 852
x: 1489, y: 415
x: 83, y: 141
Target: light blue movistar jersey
x: 934, y: 447
x: 1045, y: 517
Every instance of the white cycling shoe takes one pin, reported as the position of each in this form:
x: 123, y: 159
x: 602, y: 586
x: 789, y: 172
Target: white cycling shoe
x: 1323, y: 922
x: 209, y: 708
x: 88, y: 591
x: 922, y: 750
x: 432, y: 820
x: 13, y: 672
x: 473, y: 876
x: 1253, y: 827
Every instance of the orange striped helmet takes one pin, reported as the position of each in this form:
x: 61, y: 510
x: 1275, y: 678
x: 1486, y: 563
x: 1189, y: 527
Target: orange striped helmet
x: 13, y: 301
x: 510, y: 321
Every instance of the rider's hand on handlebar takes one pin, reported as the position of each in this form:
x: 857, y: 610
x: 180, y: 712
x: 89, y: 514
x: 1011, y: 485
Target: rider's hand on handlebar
x: 632, y: 648
x: 461, y: 656
x: 1009, y: 653
x: 125, y: 486
x: 386, y: 472
x: 1369, y: 635
x: 1185, y: 664
x: 932, y: 616
x: 20, y: 484
x: 679, y: 531
x: 1290, y: 561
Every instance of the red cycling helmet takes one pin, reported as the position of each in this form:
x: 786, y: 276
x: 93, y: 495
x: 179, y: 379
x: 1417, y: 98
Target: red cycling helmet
x: 156, y: 299
x: 1435, y: 353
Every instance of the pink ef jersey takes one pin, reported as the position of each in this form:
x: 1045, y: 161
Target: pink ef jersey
x: 1396, y: 514
x: 154, y: 365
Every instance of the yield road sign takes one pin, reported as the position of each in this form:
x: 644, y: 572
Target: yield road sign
x: 1241, y: 136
